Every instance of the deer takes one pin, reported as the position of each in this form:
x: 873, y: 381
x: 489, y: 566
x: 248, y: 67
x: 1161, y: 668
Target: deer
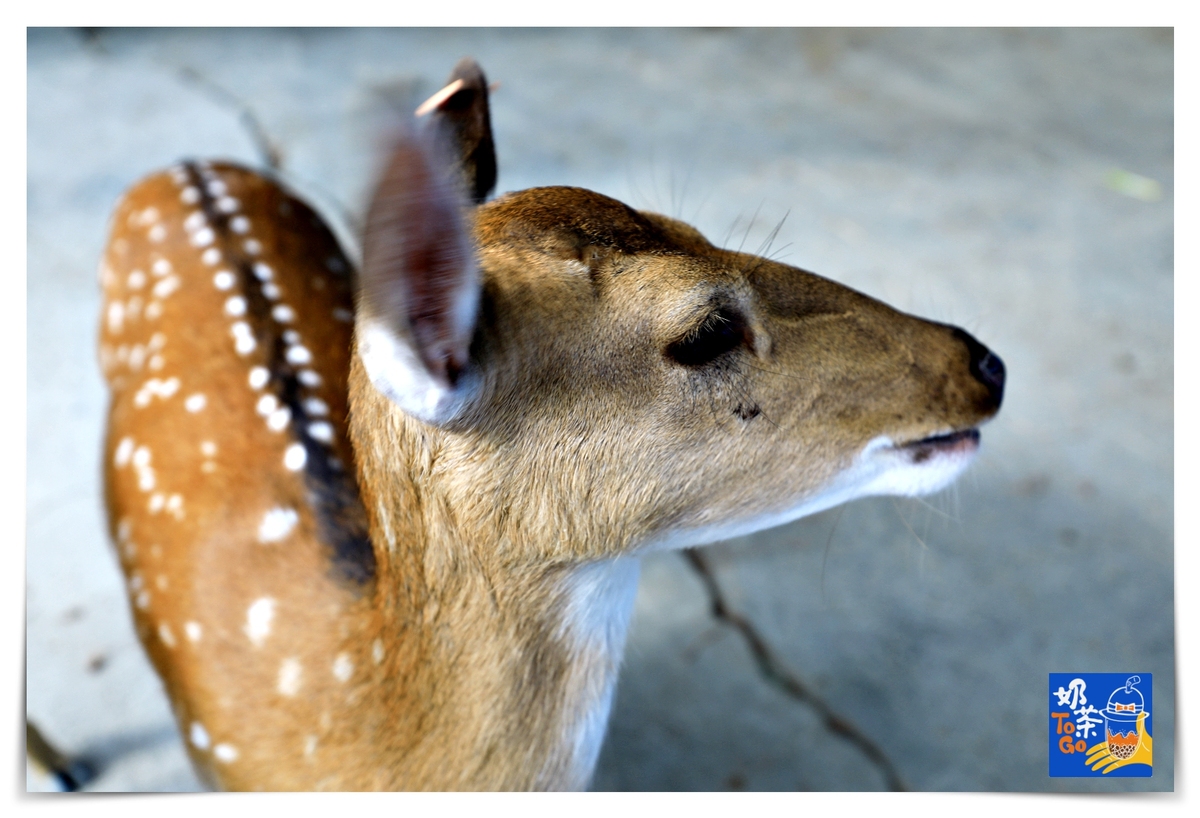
x: 381, y: 524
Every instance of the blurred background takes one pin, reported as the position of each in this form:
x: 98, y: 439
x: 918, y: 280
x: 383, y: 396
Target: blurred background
x: 1016, y: 183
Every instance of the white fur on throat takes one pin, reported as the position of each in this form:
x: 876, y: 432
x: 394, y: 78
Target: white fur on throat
x: 597, y: 604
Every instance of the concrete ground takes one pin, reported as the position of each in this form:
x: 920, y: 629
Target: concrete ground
x: 1018, y: 183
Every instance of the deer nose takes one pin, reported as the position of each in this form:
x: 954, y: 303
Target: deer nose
x: 985, y: 365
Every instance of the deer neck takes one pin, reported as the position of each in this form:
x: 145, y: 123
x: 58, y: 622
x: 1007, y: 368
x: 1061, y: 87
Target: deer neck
x: 504, y: 666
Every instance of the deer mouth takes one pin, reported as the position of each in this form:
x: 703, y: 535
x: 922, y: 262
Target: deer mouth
x: 965, y: 441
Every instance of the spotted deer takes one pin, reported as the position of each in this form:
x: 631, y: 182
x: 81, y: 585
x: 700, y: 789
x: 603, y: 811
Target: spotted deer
x: 382, y: 528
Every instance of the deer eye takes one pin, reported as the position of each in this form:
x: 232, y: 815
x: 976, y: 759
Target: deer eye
x: 717, y: 334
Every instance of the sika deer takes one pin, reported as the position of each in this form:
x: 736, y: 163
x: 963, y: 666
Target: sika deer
x: 395, y: 546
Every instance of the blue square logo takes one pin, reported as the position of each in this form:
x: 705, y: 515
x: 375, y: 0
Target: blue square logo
x: 1101, y: 725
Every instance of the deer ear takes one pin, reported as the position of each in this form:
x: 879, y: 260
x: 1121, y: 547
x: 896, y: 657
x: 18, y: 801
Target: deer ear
x: 420, y: 285
x: 461, y: 112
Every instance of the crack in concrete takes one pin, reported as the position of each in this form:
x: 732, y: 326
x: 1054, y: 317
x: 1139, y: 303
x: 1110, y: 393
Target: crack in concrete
x: 269, y: 153
x: 777, y: 674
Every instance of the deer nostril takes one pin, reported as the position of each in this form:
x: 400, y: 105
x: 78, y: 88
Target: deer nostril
x: 987, y: 367
x: 990, y: 370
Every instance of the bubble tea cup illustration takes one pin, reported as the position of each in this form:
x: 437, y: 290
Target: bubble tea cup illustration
x: 1125, y: 707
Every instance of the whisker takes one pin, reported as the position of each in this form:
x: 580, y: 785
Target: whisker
x: 924, y: 545
x: 935, y: 509
x: 788, y: 375
x: 750, y: 227
x: 825, y: 553
x: 765, y: 247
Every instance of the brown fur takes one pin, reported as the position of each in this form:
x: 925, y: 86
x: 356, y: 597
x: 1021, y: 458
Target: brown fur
x: 584, y: 442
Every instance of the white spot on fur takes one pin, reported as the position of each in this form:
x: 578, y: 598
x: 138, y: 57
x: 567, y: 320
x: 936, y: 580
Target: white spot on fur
x: 225, y: 753
x: 123, y: 453
x: 157, y: 501
x: 271, y: 291
x: 321, y: 431
x: 310, y: 745
x: 137, y: 356
x: 263, y: 271
x: 377, y: 651
x: 136, y: 280
x: 155, y: 387
x: 155, y: 363
x: 116, y: 317
x: 235, y: 305
x: 195, y: 402
x: 192, y: 631
x: 141, y: 464
x: 157, y: 341
x: 153, y: 310
x: 283, y: 314
x: 243, y: 338
x: 194, y: 222
x: 259, y: 377
x: 164, y: 633
x: 223, y: 280
x: 316, y: 407
x: 227, y: 204
x: 277, y: 524
x: 167, y: 286
x: 266, y: 405
x: 278, y: 420
x: 160, y: 267
x: 343, y: 668
x: 197, y: 734
x: 211, y: 256
x: 295, y: 457
x: 309, y: 378
x: 252, y: 246
x: 190, y: 195
x: 258, y: 620
x: 157, y: 233
x: 175, y: 506
x: 203, y: 237
x: 298, y: 355
x: 289, y: 677
x: 216, y: 187
x: 143, y: 600
x: 208, y: 448
x: 239, y: 224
